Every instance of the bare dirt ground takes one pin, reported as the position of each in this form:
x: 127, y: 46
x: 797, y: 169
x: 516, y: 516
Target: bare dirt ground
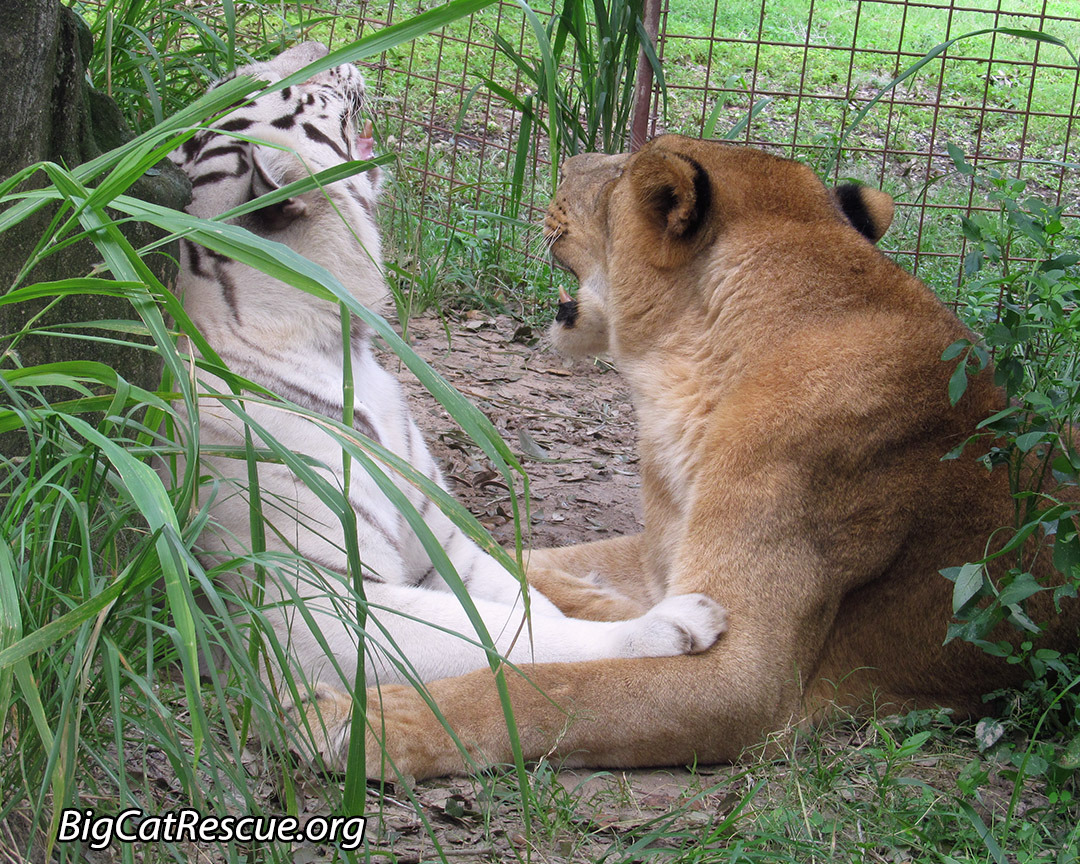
x: 570, y: 424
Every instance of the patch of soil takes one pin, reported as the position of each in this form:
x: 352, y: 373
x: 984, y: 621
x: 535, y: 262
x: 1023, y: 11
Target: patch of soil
x: 570, y: 424
x: 577, y: 817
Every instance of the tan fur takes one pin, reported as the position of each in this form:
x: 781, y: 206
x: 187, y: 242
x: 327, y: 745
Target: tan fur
x: 793, y: 412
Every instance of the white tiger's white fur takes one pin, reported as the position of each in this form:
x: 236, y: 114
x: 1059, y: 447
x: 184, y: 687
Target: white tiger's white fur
x: 290, y: 342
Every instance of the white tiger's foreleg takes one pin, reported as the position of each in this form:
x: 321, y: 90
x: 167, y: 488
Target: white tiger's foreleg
x: 424, y: 634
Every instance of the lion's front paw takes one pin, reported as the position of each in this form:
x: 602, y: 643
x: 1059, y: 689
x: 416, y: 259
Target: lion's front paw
x: 322, y: 734
x: 684, y: 624
x: 405, y: 741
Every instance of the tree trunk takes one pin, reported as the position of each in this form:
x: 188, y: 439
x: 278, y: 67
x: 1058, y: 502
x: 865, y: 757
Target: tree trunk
x: 48, y: 112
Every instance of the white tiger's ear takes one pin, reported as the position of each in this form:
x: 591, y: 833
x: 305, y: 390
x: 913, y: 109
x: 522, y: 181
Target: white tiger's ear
x: 278, y: 216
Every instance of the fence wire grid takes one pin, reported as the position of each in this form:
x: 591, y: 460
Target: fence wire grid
x: 785, y: 75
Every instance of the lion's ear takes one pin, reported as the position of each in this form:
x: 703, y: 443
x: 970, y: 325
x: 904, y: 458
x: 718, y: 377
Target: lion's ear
x: 870, y: 210
x: 674, y: 194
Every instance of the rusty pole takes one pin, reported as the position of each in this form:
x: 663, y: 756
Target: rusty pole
x: 643, y: 82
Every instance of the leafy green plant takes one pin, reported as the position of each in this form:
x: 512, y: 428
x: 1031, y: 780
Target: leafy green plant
x: 1021, y: 294
x: 1022, y: 265
x: 155, y: 58
x: 590, y: 109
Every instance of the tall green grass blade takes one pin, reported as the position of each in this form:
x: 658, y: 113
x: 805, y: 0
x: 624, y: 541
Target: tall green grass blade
x: 143, y: 484
x: 521, y: 158
x: 992, y: 847
x: 229, y: 7
x: 356, y: 762
x: 10, y: 626
x: 198, y: 113
x: 70, y: 287
x: 549, y: 68
x: 388, y: 38
x: 150, y: 496
x: 466, y: 104
x: 709, y: 130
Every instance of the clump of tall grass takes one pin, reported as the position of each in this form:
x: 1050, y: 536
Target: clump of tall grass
x: 590, y: 109
x: 106, y: 612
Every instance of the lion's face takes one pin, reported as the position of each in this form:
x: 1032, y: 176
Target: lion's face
x: 628, y: 225
x: 576, y: 229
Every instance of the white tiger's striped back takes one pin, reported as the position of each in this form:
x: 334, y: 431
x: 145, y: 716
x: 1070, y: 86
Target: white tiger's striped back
x: 289, y: 341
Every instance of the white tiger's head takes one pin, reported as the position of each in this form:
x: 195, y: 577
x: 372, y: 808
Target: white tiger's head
x: 300, y: 130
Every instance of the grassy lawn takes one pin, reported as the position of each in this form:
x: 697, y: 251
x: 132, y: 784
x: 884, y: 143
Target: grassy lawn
x: 809, y: 81
x: 817, y: 71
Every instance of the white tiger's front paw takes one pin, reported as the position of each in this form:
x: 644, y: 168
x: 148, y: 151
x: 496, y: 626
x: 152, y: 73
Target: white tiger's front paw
x: 684, y: 624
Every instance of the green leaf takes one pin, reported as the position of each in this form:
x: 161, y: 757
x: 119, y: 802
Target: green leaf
x: 1067, y: 550
x: 914, y: 743
x: 10, y: 625
x: 735, y: 131
x: 1032, y: 764
x: 1029, y: 439
x: 1061, y: 262
x: 988, y: 732
x: 1064, y: 592
x: 1022, y: 587
x: 993, y: 849
x: 65, y: 287
x: 950, y: 573
x: 970, y: 778
x: 999, y: 415
x: 1035, y: 36
x: 969, y: 582
x: 999, y: 334
x: 1020, y: 620
x: 958, y: 383
x: 1070, y: 756
x: 975, y: 629
x: 1039, y: 401
x: 317, y: 180
x: 958, y: 158
x: 955, y: 350
x: 958, y: 450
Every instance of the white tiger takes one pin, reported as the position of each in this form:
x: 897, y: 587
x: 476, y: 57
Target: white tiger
x: 290, y: 342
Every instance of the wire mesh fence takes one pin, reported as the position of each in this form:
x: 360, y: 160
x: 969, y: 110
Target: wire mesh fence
x: 791, y: 76
x: 829, y: 82
x: 1000, y: 98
